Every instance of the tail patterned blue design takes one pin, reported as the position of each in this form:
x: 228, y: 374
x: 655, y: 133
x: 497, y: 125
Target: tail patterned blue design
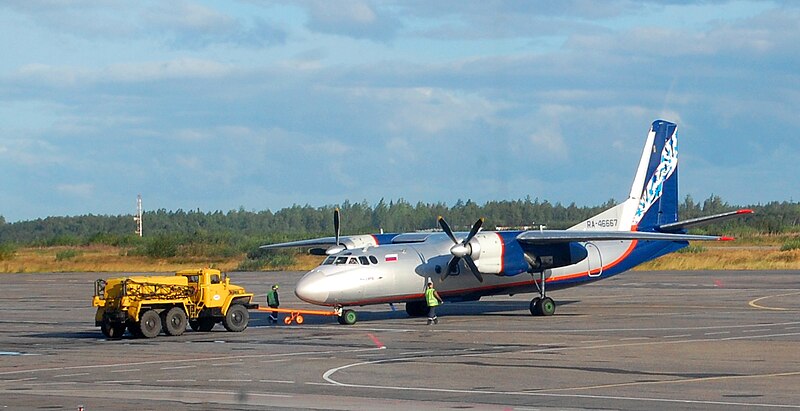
x: 658, y: 203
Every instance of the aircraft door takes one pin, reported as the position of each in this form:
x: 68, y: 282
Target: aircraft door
x: 594, y: 260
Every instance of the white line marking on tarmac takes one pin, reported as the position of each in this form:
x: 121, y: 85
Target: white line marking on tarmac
x: 117, y: 381
x: 174, y: 361
x: 187, y: 380
x: 678, y: 336
x: 70, y: 375
x: 20, y: 379
x: 179, y: 367
x: 634, y: 338
x: 753, y: 331
x: 327, y: 377
x: 276, y: 381
x: 228, y: 380
x: 593, y: 341
x: 128, y: 370
x: 718, y: 333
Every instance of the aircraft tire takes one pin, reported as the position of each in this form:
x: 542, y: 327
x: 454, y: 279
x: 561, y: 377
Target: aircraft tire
x: 547, y: 306
x: 416, y: 308
x: 348, y: 317
x: 535, y: 307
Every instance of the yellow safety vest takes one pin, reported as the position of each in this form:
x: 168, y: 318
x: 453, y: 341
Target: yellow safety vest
x: 430, y: 298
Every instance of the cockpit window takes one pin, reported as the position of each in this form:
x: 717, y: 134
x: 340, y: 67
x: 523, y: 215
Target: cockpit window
x: 363, y: 259
x: 373, y: 259
x: 341, y: 260
x: 329, y: 260
x: 353, y: 260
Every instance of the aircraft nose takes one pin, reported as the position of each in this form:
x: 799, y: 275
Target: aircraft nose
x: 312, y: 288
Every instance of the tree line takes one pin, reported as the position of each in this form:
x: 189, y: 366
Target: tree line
x: 217, y: 233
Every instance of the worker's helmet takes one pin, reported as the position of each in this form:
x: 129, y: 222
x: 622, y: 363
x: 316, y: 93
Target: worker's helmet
x: 275, y: 286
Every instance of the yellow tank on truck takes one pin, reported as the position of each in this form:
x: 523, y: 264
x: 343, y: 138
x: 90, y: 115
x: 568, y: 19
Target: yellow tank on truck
x: 148, y: 305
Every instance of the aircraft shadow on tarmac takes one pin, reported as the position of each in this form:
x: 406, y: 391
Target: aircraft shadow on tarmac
x: 460, y: 309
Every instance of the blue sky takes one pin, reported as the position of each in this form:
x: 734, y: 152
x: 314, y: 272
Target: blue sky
x: 216, y: 105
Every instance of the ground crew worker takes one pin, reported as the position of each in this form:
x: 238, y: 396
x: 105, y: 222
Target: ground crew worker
x: 433, y: 299
x: 273, y: 302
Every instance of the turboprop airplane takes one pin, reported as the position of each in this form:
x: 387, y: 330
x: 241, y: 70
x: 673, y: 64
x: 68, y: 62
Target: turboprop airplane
x: 391, y: 268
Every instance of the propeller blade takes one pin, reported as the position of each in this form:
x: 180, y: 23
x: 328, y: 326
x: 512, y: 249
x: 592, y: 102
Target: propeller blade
x: 475, y: 228
x: 446, y: 229
x: 336, y: 223
x: 473, y: 268
x: 445, y: 274
x: 452, y: 265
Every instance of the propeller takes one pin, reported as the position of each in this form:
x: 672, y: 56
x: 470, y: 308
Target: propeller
x: 463, y: 249
x: 338, y: 248
x: 334, y: 249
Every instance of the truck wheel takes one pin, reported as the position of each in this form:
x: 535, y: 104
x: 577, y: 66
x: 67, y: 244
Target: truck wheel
x: 112, y: 331
x: 206, y: 324
x: 174, y: 321
x: 150, y: 324
x: 236, y: 318
x: 133, y: 328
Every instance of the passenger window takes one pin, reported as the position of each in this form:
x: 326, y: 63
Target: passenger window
x: 353, y: 260
x: 363, y: 259
x: 373, y: 259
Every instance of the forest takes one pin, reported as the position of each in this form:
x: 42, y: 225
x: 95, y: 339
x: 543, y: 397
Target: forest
x: 225, y: 234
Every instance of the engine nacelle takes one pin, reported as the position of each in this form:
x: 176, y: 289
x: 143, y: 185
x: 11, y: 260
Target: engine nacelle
x: 358, y: 241
x: 544, y: 256
x: 498, y: 253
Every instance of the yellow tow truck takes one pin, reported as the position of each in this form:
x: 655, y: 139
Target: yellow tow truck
x: 148, y: 305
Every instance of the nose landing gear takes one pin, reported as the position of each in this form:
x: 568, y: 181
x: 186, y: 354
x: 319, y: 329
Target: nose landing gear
x: 542, y: 305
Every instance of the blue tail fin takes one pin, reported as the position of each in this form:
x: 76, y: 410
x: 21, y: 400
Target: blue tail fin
x: 656, y: 182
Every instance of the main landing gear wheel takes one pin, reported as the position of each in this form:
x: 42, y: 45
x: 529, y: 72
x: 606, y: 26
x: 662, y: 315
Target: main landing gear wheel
x: 416, y: 308
x: 542, y: 306
x: 348, y: 317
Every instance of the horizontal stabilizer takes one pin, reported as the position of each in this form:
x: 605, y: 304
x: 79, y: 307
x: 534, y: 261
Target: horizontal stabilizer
x: 562, y: 236
x: 680, y: 225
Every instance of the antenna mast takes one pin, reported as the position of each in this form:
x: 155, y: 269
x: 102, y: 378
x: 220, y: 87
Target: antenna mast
x: 138, y: 216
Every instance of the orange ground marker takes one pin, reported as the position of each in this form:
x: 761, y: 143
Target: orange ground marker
x: 296, y: 315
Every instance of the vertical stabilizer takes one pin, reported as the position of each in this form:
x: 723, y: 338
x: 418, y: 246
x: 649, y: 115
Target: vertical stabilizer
x: 653, y: 200
x: 655, y: 187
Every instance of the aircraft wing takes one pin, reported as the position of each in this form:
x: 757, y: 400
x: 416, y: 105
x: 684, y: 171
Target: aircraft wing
x: 680, y: 225
x: 313, y: 242
x: 566, y: 236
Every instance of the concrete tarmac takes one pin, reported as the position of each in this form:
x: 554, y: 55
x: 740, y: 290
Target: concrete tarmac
x: 641, y: 340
